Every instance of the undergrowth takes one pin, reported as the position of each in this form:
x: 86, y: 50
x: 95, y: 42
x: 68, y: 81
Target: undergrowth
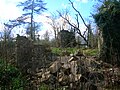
x: 10, y: 77
x: 88, y: 52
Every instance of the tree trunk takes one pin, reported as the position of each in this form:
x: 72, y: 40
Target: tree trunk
x: 31, y: 29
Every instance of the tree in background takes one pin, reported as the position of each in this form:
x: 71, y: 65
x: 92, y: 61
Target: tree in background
x: 36, y: 28
x: 31, y: 8
x: 55, y: 27
x: 57, y: 23
x: 6, y: 41
x: 108, y: 21
x: 46, y: 36
x: 76, y: 25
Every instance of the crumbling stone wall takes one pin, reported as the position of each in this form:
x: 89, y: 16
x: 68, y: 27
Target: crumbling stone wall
x: 23, y: 52
x: 40, y: 57
x: 31, y: 57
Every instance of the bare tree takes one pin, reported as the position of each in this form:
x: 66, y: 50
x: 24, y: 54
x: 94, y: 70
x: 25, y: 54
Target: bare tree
x: 57, y: 25
x: 76, y: 26
x: 8, y: 29
x: 6, y: 41
x: 46, y: 36
x: 54, y: 26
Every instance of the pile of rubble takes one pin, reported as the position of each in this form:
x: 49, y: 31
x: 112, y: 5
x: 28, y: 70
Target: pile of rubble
x: 74, y: 72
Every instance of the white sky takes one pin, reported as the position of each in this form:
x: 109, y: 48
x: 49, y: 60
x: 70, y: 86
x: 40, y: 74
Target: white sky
x: 9, y: 10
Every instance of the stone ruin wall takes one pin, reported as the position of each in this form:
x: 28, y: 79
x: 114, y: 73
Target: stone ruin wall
x: 31, y: 57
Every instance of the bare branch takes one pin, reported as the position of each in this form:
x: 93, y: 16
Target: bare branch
x: 84, y: 32
x: 78, y: 13
x: 77, y: 28
x: 77, y: 20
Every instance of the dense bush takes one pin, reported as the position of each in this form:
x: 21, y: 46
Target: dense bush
x: 108, y: 21
x: 10, y: 77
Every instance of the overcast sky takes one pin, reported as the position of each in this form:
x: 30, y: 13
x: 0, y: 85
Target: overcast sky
x: 8, y: 10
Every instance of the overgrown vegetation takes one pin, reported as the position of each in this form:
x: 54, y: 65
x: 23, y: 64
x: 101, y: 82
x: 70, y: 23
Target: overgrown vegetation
x: 60, y: 51
x: 91, y: 52
x: 108, y: 21
x: 87, y: 52
x: 10, y: 77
